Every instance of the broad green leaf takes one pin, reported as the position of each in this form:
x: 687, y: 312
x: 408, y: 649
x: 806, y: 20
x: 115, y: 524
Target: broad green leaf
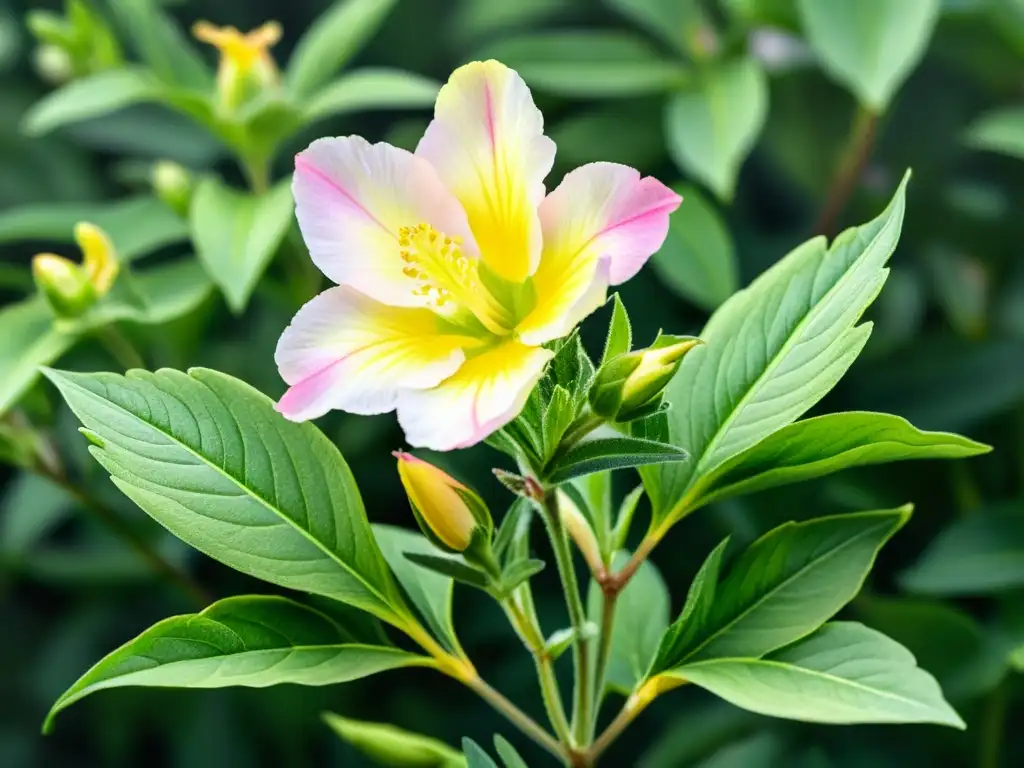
x: 711, y: 126
x: 387, y: 744
x: 977, y: 555
x: 698, y: 260
x: 508, y: 754
x: 641, y: 618
x: 869, y: 46
x: 28, y: 341
x: 600, y: 454
x: 772, y: 351
x: 210, y: 459
x: 1000, y: 131
x: 136, y: 225
x: 367, y: 89
x: 429, y: 591
x: 91, y: 96
x: 168, y: 291
x: 786, y: 585
x: 680, y: 23
x: 827, y: 444
x: 843, y: 673
x: 762, y: 750
x: 236, y: 234
x: 589, y: 64
x: 159, y: 42
x: 252, y: 641
x: 331, y: 41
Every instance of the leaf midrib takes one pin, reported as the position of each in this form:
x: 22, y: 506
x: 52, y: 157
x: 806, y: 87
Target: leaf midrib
x: 248, y: 491
x: 781, y: 585
x: 782, y: 353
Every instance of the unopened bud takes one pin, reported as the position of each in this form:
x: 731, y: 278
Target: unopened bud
x: 246, y: 68
x: 448, y: 513
x: 578, y: 527
x: 98, y: 256
x: 63, y: 283
x: 630, y: 386
x: 173, y: 185
x: 53, y: 64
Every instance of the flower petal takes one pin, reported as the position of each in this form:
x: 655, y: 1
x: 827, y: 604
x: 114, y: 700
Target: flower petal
x: 599, y: 211
x: 487, y: 142
x: 487, y: 392
x: 351, y: 197
x: 346, y: 351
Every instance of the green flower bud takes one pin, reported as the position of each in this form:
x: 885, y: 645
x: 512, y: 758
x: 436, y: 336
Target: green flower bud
x: 53, y: 64
x: 629, y: 386
x: 64, y: 284
x: 451, y: 515
x: 172, y: 183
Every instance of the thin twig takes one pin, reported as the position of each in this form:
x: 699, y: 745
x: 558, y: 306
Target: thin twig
x: 604, y: 649
x: 120, y: 347
x: 517, y: 717
x: 851, y: 165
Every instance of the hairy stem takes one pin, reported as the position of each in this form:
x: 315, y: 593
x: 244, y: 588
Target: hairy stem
x: 582, y: 697
x: 851, y: 165
x: 604, y: 649
x: 120, y: 347
x: 626, y: 715
x: 532, y: 638
x: 579, y: 429
x: 618, y: 581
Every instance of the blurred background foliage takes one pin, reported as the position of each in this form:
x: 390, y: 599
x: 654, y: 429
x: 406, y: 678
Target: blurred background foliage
x: 777, y: 119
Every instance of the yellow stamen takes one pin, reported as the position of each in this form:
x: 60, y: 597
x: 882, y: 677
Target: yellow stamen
x: 445, y: 275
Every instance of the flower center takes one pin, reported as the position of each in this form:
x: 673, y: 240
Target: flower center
x: 449, y: 279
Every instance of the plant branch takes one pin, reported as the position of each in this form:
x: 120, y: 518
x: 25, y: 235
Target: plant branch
x: 517, y: 717
x: 991, y: 738
x: 604, y: 649
x: 851, y: 165
x: 582, y: 697
x: 120, y: 347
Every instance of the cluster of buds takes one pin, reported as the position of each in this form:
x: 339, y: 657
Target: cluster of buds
x: 630, y: 385
x: 246, y: 69
x: 69, y: 288
x: 77, y: 44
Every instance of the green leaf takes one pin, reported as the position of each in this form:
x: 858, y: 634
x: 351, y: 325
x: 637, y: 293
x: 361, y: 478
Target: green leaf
x: 589, y: 64
x: 519, y: 571
x: 698, y: 260
x: 620, y: 333
x: 678, y: 22
x: 429, y: 591
x: 976, y: 555
x: 367, y: 89
x: 870, y: 46
x: 772, y: 351
x: 251, y: 641
x: 786, y: 585
x: 159, y: 42
x: 136, y: 225
x: 159, y: 295
x: 91, y: 96
x: 1001, y: 130
x: 475, y: 755
x: 641, y: 618
x: 452, y: 567
x: 827, y: 444
x: 331, y: 41
x: 28, y: 341
x: 712, y: 126
x: 843, y: 673
x: 236, y: 234
x: 606, y: 453
x: 387, y: 744
x: 208, y: 458
x: 30, y: 508
x: 1017, y: 658
x: 508, y: 753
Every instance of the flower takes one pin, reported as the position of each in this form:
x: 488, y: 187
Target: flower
x: 453, y: 266
x: 71, y: 288
x: 447, y: 511
x: 246, y: 67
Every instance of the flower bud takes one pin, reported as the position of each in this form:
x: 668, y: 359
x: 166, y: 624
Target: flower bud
x: 578, y: 527
x: 630, y: 385
x: 448, y: 513
x: 64, y: 284
x: 173, y: 185
x: 246, y: 68
x: 53, y: 64
x: 98, y: 256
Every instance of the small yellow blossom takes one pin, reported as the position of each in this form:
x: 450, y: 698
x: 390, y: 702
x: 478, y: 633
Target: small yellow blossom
x: 246, y: 67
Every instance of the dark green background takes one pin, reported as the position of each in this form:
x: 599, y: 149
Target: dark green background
x: 947, y: 352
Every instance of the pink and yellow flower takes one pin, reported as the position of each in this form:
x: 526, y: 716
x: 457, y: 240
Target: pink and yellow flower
x: 452, y: 266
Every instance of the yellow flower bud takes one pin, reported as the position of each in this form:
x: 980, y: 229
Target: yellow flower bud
x: 579, y: 529
x: 98, y: 256
x: 246, y: 68
x: 447, y: 511
x: 63, y: 283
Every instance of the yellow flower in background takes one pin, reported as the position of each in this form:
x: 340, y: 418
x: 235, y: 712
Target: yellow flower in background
x: 246, y: 67
x: 72, y: 288
x: 453, y: 266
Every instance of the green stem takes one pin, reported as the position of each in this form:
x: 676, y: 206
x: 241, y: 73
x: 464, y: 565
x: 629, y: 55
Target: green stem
x: 532, y: 638
x: 991, y: 740
x: 604, y: 649
x: 120, y: 347
x: 582, y: 698
x: 851, y: 165
x: 517, y: 717
x: 257, y: 173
